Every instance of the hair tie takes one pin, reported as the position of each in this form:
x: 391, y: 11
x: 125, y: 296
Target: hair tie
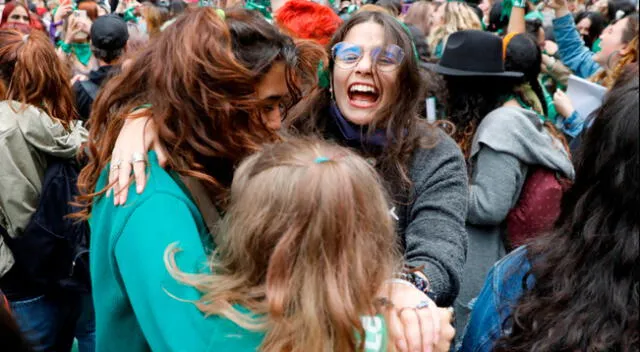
x: 321, y: 159
x: 505, y: 43
x: 221, y: 14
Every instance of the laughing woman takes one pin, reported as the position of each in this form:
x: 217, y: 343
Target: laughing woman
x: 371, y: 106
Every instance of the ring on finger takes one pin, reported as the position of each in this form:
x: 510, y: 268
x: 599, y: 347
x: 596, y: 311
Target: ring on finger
x: 138, y: 158
x: 115, y: 165
x: 422, y: 305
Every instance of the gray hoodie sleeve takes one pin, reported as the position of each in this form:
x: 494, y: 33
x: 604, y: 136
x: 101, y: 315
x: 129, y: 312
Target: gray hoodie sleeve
x: 495, y: 186
x: 435, y: 235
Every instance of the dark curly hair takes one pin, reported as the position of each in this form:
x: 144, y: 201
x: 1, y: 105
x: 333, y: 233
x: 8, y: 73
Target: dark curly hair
x: 469, y: 100
x: 586, y: 291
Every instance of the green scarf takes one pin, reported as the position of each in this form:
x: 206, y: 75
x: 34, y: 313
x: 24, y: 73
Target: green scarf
x: 82, y: 51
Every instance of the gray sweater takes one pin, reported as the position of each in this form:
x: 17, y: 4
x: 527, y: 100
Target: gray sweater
x: 431, y: 225
x: 507, y: 142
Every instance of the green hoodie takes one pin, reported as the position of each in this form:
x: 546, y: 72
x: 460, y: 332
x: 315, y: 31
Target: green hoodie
x: 139, y: 306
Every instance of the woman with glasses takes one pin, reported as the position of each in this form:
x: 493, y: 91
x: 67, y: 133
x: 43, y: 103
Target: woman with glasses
x: 369, y: 103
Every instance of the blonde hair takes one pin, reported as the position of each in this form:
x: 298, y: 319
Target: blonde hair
x: 418, y: 16
x: 458, y: 16
x: 305, y: 246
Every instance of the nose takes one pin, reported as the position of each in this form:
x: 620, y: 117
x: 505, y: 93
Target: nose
x: 364, y: 65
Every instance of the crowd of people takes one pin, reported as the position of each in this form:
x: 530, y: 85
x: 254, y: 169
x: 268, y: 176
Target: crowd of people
x: 295, y: 175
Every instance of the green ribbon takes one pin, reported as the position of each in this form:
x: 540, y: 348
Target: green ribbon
x: 323, y: 76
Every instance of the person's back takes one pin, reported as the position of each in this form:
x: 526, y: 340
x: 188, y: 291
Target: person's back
x: 550, y: 295
x: 109, y: 36
x: 36, y: 125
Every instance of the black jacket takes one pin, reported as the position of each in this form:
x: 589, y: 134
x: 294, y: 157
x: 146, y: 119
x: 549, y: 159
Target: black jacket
x: 83, y: 98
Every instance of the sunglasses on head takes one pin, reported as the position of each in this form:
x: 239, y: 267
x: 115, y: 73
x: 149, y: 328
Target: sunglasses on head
x: 387, y: 58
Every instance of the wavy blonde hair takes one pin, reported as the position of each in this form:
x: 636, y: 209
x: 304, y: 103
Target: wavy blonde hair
x: 458, y: 16
x: 305, y: 246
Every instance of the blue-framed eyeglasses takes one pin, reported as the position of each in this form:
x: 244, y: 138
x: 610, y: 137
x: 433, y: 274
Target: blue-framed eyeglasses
x: 347, y: 55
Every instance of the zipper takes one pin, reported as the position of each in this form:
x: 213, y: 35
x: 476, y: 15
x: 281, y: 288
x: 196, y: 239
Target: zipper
x: 75, y: 259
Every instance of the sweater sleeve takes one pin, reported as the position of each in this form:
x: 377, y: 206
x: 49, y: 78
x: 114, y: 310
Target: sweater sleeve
x: 571, y: 47
x: 495, y: 183
x: 435, y: 237
x: 164, y: 308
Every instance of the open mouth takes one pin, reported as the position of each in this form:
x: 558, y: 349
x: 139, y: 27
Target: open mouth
x: 363, y: 95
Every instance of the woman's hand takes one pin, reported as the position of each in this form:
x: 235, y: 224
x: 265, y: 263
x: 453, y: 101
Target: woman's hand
x: 563, y: 104
x: 415, y: 322
x: 78, y: 78
x: 62, y: 12
x: 559, y: 6
x: 137, y: 136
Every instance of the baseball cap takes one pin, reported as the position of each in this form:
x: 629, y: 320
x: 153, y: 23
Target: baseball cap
x: 109, y: 32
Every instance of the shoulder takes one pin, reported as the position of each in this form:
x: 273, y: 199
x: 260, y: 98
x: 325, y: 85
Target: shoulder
x: 508, y: 274
x: 439, y: 155
x: 437, y: 147
x: 162, y: 194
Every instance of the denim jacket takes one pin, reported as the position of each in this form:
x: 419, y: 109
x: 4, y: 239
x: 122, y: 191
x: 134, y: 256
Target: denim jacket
x: 502, y: 290
x: 572, y: 50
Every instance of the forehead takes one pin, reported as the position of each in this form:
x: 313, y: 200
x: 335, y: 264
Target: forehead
x: 19, y: 10
x: 367, y: 34
x: 585, y: 22
x: 273, y: 83
x: 619, y: 26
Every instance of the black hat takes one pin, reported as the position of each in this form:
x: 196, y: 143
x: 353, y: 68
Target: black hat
x: 472, y: 53
x: 109, y: 32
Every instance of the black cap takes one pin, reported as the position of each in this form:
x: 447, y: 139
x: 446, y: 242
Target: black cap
x: 109, y: 32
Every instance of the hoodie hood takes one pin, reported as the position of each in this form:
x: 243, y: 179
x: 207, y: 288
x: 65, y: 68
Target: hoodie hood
x: 520, y: 132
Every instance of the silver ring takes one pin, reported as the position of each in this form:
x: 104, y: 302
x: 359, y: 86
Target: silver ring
x: 115, y: 165
x: 138, y: 158
x: 422, y: 305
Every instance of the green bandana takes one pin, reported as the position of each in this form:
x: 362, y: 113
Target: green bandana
x: 82, y: 51
x: 262, y: 6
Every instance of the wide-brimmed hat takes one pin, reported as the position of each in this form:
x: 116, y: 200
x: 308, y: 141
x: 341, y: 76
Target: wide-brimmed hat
x: 472, y: 53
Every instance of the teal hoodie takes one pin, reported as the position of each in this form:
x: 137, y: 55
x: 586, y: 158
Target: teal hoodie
x: 139, y: 306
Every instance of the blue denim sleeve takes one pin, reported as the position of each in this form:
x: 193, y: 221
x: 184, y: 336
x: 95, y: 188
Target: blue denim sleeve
x: 572, y: 50
x: 484, y: 326
x: 573, y: 125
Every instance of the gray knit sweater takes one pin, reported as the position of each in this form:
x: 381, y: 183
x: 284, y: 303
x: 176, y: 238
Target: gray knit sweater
x: 431, y: 225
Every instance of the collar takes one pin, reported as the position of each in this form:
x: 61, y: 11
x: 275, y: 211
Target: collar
x: 351, y: 132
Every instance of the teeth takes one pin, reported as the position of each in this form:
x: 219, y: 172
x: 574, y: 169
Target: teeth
x: 362, y: 88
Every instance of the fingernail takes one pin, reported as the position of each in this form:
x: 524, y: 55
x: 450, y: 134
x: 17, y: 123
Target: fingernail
x: 139, y: 189
x: 402, y: 345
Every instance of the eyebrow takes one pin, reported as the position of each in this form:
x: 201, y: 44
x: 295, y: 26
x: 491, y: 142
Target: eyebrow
x: 274, y: 97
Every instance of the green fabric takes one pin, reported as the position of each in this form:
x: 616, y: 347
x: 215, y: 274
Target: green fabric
x: 534, y: 15
x: 506, y: 9
x: 139, y: 306
x: 262, y: 6
x: 66, y: 48
x: 596, y: 45
x: 552, y: 114
x: 129, y: 16
x: 82, y: 51
x: 323, y: 76
x: 439, y: 49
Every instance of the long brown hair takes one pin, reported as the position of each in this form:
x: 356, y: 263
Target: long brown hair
x: 200, y: 78
x: 307, y: 240
x: 400, y: 119
x: 31, y: 73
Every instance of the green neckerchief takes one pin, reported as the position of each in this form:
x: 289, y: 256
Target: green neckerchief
x: 82, y: 51
x: 128, y: 15
x: 534, y: 15
x: 596, y: 46
x: 530, y: 95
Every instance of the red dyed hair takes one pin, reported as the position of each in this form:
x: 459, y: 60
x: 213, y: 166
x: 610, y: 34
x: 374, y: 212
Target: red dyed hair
x: 305, y: 19
x: 8, y: 9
